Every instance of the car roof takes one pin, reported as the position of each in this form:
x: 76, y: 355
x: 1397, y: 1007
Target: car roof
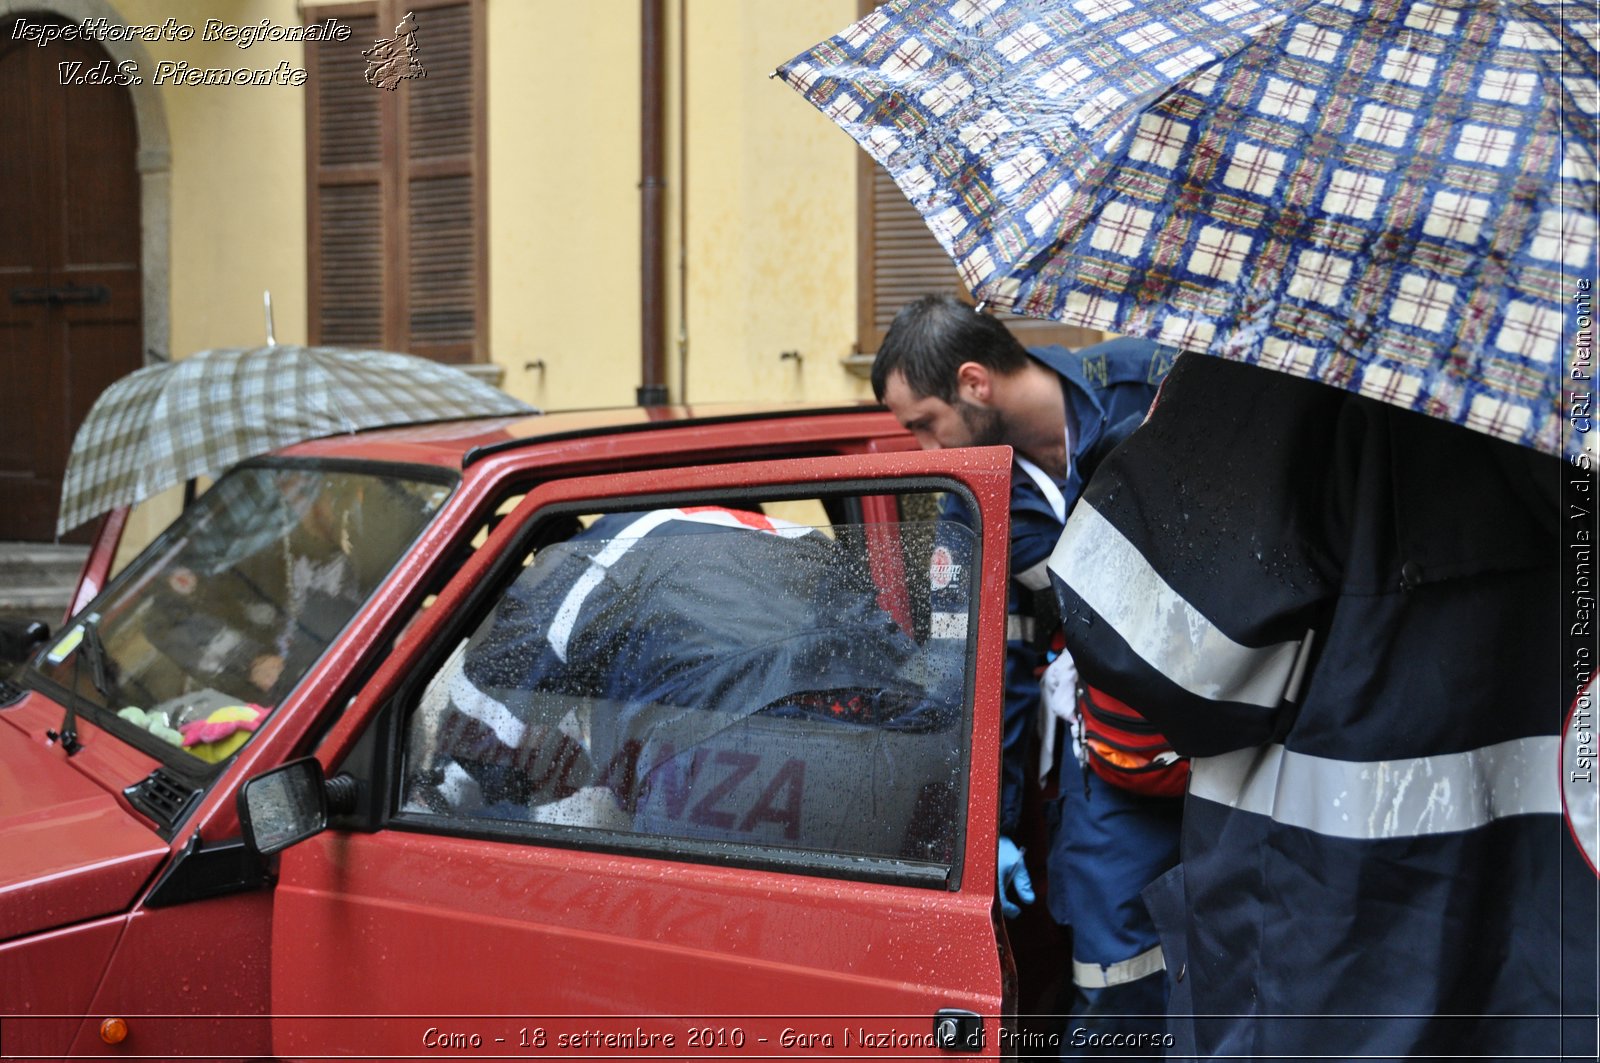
x: 459, y: 444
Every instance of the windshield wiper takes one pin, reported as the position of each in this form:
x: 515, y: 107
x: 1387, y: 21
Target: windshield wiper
x: 89, y: 645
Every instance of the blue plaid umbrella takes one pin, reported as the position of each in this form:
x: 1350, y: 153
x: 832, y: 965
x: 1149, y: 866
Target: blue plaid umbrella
x: 1396, y: 197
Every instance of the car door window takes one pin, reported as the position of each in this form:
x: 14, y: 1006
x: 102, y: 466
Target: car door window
x: 713, y: 682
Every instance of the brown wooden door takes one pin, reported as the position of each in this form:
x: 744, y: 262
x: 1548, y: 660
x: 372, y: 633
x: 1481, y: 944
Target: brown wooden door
x: 71, y: 318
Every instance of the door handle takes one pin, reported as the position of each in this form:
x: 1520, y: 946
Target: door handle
x: 81, y: 294
x: 76, y: 294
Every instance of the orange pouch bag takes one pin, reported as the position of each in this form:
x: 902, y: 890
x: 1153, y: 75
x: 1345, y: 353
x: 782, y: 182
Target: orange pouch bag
x: 1126, y: 750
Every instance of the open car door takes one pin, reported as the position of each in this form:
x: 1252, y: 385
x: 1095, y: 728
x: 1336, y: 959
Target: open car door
x: 694, y: 762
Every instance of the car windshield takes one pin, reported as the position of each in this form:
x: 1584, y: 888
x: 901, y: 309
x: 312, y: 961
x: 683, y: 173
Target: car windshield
x: 219, y: 618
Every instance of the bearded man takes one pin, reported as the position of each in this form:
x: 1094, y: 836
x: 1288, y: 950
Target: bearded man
x: 955, y: 377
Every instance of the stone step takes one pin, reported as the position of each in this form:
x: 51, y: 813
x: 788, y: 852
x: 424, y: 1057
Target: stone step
x: 39, y: 576
x: 46, y: 555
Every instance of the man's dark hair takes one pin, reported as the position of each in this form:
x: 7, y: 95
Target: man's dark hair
x: 931, y: 336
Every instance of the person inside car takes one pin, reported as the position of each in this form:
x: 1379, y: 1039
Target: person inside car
x: 633, y: 659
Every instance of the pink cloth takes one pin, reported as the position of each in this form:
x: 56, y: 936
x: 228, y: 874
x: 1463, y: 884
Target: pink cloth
x: 209, y: 730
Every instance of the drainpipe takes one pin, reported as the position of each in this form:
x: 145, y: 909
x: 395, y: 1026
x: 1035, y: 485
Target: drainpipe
x: 683, y: 202
x: 652, y: 216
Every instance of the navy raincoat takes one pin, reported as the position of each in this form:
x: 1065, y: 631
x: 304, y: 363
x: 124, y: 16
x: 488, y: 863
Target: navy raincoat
x: 1350, y: 615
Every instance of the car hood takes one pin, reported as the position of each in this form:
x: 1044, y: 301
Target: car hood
x: 68, y: 850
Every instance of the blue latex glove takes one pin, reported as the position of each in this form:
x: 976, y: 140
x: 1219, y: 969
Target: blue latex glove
x: 1013, y: 879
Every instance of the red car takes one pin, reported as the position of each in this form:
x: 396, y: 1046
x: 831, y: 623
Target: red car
x: 750, y: 810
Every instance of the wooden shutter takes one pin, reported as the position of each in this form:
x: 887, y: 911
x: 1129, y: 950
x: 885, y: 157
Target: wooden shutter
x: 396, y: 185
x: 344, y: 132
x: 442, y: 154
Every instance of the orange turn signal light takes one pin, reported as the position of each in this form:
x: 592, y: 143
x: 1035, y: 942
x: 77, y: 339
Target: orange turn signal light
x: 113, y: 1031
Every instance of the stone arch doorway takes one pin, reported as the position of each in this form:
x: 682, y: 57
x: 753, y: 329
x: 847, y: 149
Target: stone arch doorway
x: 79, y: 306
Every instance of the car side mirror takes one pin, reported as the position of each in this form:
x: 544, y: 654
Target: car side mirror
x: 20, y: 638
x: 291, y: 803
x: 283, y: 806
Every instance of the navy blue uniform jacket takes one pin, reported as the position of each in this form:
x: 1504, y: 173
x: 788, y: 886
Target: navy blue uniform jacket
x: 1108, y: 387
x: 1350, y: 615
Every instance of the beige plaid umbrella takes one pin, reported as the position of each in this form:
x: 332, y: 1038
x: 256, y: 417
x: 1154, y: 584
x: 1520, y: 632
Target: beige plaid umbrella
x: 165, y: 424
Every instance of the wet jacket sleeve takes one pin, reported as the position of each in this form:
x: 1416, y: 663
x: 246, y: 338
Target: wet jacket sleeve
x: 1193, y: 571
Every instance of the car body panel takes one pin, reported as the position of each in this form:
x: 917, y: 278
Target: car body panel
x: 378, y: 924
x: 102, y: 554
x: 618, y: 431
x: 215, y: 1009
x: 47, y: 983
x: 68, y: 850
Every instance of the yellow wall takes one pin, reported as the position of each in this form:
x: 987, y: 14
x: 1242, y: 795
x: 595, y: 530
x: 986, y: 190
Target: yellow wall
x: 770, y: 204
x: 771, y: 209
x: 238, y: 181
x: 563, y: 199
